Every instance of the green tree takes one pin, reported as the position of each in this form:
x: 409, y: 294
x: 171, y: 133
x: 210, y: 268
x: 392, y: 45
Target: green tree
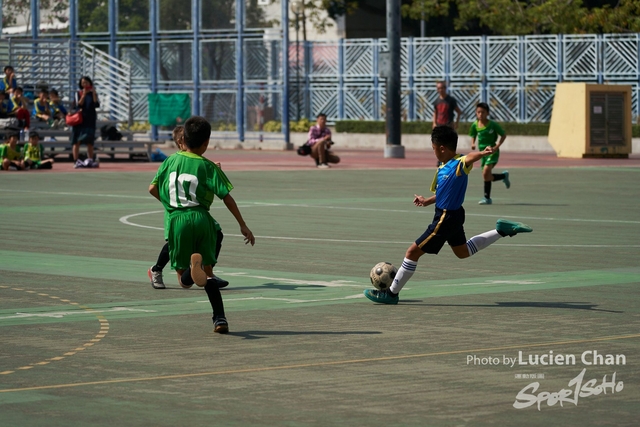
x: 55, y: 12
x: 519, y: 17
x: 93, y: 16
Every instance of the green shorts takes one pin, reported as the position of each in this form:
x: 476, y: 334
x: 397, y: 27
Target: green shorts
x: 491, y: 159
x: 192, y: 231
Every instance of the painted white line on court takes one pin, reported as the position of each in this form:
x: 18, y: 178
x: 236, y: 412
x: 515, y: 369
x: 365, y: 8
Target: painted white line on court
x: 61, y: 314
x: 307, y: 206
x: 331, y: 284
x: 125, y: 220
x: 496, y: 282
x: 428, y: 213
x: 290, y: 300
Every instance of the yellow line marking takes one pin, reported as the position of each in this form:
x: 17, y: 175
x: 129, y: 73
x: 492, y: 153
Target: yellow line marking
x: 317, y: 364
x: 104, y: 329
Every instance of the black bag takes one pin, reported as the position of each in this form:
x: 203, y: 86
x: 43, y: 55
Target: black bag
x: 110, y: 133
x: 304, y: 150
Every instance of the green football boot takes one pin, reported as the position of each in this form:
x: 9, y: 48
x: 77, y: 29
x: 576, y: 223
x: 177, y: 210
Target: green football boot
x: 510, y: 228
x: 382, y: 297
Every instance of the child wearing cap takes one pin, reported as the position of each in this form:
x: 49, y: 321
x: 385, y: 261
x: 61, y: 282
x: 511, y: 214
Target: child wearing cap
x: 33, y: 153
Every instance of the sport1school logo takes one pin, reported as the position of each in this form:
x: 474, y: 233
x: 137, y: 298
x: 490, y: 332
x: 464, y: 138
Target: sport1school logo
x: 576, y: 390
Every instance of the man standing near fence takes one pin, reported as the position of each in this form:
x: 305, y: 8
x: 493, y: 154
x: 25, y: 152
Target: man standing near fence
x: 444, y: 107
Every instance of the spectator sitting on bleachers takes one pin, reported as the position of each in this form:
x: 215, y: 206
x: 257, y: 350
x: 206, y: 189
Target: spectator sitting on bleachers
x: 58, y: 111
x: 8, y: 83
x: 19, y: 108
x: 5, y: 106
x: 41, y: 109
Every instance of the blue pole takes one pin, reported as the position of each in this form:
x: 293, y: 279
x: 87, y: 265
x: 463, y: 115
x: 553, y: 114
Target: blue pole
x: 307, y: 80
x: 73, y: 38
x: 35, y: 18
x: 112, y: 24
x: 240, y: 70
x: 376, y: 79
x: 285, y: 73
x: 153, y: 54
x: 341, y: 69
x: 484, y: 69
x: 522, y: 93
x: 411, y: 66
x: 195, y: 56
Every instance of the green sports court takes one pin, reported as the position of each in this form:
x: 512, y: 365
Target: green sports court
x: 86, y: 341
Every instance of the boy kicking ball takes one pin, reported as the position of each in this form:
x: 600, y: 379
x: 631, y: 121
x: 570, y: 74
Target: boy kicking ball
x: 449, y: 186
x: 185, y: 184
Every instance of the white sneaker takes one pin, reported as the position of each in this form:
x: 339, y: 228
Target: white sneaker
x: 156, y: 279
x: 323, y: 166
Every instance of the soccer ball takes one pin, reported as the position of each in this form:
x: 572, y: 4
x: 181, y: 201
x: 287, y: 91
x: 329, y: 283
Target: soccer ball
x: 382, y: 275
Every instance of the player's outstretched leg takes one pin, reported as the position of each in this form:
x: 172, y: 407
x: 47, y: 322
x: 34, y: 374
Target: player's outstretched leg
x: 197, y: 273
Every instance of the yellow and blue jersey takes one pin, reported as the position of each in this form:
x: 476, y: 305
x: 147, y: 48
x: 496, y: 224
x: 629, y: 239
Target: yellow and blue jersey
x: 450, y: 183
x: 40, y: 107
x: 5, y: 107
x: 17, y: 103
x: 57, y: 108
x: 6, y: 85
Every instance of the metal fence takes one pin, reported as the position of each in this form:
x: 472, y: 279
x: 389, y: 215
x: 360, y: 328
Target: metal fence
x: 238, y: 81
x: 59, y: 64
x: 515, y: 75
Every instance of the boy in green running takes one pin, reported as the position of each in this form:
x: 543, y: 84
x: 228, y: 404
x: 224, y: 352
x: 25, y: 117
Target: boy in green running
x: 487, y: 131
x: 155, y: 271
x: 185, y: 184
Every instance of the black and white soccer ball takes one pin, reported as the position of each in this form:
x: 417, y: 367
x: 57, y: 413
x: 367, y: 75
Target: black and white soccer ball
x: 382, y: 275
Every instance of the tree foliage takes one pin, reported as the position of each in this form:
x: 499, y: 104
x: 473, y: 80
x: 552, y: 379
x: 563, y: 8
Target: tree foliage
x: 14, y: 9
x: 519, y: 17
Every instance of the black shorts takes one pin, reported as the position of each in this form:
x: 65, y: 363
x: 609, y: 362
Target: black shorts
x: 447, y: 226
x: 81, y: 135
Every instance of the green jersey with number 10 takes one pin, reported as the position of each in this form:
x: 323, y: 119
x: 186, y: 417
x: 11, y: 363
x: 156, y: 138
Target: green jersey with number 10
x: 189, y: 181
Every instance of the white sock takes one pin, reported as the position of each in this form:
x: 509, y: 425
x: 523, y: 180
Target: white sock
x: 403, y: 275
x: 481, y: 241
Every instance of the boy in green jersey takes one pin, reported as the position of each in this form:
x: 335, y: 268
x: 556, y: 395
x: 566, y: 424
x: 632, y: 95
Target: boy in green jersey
x: 487, y: 131
x: 9, y: 154
x: 185, y: 184
x: 32, y: 153
x: 155, y: 271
